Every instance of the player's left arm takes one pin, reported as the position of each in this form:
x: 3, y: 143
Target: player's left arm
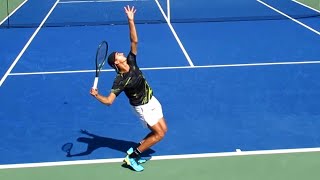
x: 130, y: 11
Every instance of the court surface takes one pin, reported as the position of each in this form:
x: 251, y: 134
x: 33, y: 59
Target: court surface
x: 238, y: 82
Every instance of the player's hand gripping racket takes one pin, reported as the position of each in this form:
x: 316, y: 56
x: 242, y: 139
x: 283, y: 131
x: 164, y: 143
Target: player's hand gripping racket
x: 101, y: 57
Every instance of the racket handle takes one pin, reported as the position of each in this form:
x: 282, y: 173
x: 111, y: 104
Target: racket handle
x: 95, y: 83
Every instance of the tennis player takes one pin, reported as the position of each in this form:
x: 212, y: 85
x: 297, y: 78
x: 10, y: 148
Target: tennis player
x: 130, y: 79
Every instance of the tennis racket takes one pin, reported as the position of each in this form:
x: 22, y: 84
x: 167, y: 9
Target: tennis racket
x: 101, y: 57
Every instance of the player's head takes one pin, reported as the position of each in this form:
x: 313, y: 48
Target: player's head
x: 115, y: 59
x: 112, y: 59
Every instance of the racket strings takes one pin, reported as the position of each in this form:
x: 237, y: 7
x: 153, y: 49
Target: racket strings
x: 101, y: 56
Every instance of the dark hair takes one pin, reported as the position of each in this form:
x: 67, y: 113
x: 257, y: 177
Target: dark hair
x: 111, y: 60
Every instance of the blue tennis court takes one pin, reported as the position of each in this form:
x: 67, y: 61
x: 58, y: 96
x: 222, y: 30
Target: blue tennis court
x: 231, y: 76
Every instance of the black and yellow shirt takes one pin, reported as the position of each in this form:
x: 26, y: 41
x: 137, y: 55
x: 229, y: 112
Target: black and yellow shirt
x: 133, y: 84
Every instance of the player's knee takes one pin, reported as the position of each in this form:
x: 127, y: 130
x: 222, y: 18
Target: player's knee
x: 159, y: 135
x: 165, y: 129
x: 164, y: 126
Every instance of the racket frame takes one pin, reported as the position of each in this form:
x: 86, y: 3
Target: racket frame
x: 101, y: 64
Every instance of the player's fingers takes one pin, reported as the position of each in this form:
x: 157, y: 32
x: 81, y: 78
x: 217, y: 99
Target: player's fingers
x: 93, y: 91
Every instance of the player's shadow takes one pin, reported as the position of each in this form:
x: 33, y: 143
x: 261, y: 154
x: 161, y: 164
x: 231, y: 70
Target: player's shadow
x: 95, y: 142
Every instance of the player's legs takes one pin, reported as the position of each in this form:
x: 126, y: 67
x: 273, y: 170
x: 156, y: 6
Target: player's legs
x: 158, y: 131
x: 163, y: 126
x: 152, y: 117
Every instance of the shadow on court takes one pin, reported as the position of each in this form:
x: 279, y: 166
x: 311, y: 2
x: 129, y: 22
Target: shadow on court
x: 94, y: 142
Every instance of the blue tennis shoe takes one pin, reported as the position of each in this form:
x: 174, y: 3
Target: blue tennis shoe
x: 133, y: 163
x: 139, y: 160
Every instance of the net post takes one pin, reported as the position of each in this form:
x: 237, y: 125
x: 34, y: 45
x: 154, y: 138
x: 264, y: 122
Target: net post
x: 168, y: 10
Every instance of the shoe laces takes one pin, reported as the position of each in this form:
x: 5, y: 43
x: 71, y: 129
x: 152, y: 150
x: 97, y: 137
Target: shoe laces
x: 133, y: 161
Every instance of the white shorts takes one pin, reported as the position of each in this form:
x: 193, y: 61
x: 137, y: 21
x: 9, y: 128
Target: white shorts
x: 149, y: 113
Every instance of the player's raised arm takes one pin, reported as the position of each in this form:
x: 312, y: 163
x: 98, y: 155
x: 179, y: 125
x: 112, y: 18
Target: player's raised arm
x: 130, y: 11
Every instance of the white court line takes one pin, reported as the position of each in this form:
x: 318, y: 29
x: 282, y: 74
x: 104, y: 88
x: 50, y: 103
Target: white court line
x: 27, y: 45
x: 175, y: 34
x: 308, y: 27
x: 306, y: 6
x: 99, y: 1
x: 185, y: 156
x: 13, y: 11
x: 173, y: 67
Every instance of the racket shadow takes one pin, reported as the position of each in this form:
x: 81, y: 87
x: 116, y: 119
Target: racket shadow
x: 94, y: 142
